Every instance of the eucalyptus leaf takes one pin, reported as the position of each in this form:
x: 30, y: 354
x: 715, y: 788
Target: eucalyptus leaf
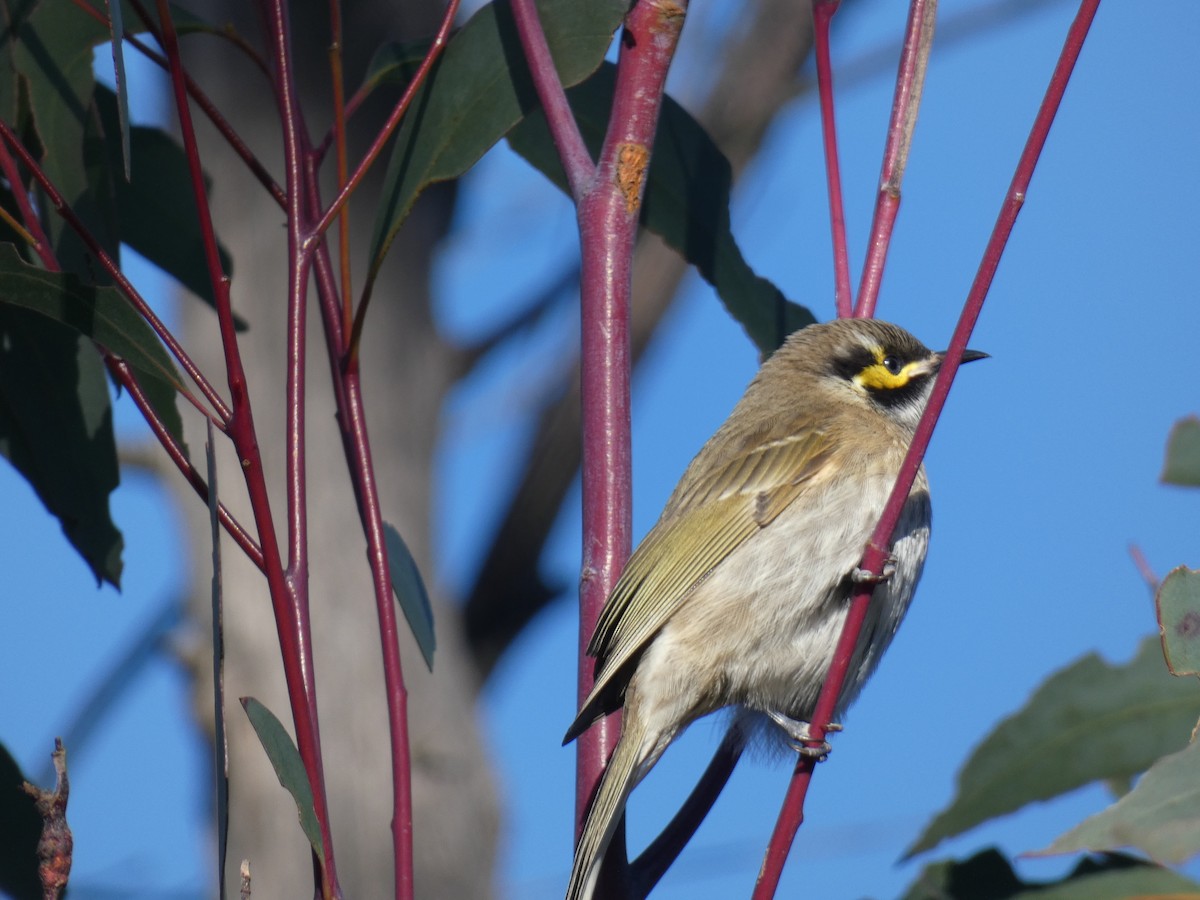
x: 1182, y: 464
x: 686, y: 203
x: 289, y: 768
x: 1160, y: 816
x: 410, y: 592
x: 156, y: 208
x: 20, y: 831
x: 1178, y: 604
x: 1088, y: 722
x: 989, y: 876
x: 56, y: 430
x: 479, y: 88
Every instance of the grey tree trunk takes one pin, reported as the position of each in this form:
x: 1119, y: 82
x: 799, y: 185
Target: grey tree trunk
x: 408, y: 370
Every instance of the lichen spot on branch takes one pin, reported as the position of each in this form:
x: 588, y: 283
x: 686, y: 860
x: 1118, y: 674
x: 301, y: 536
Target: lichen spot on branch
x: 632, y: 162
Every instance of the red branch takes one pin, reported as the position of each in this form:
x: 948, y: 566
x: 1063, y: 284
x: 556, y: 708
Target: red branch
x: 576, y: 161
x: 608, y: 219
x: 792, y: 813
x: 823, y: 12
x: 289, y: 606
x: 910, y: 79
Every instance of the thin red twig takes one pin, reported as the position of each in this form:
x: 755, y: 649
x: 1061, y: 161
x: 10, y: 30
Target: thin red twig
x: 290, y: 611
x: 910, y: 80
x: 823, y: 12
x: 792, y: 813
x: 297, y: 573
x: 435, y: 50
x: 576, y: 160
x: 393, y: 120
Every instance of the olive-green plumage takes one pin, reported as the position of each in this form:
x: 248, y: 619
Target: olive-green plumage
x: 736, y: 597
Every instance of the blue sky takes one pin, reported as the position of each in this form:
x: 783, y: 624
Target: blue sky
x: 1043, y: 470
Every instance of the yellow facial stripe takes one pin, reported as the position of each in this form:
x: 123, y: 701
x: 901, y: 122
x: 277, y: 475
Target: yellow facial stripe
x: 877, y: 378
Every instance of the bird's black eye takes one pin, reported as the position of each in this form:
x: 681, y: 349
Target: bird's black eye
x: 893, y: 364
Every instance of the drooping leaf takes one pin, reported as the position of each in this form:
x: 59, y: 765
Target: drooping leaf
x: 20, y: 830
x: 102, y: 314
x: 394, y: 63
x: 410, y: 592
x: 156, y: 209
x: 289, y: 768
x: 479, y: 89
x: 1160, y: 816
x: 48, y: 49
x: 56, y: 430
x: 988, y: 876
x: 117, y: 31
x: 1182, y: 464
x: 1090, y: 721
x: 1178, y: 605
x: 220, y: 743
x: 686, y: 203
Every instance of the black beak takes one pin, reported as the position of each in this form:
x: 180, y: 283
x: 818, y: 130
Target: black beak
x: 968, y: 356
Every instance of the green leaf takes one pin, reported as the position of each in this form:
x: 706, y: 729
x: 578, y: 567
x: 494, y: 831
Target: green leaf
x: 102, y: 314
x: 989, y: 876
x: 410, y: 592
x: 289, y: 768
x: 1178, y: 605
x: 394, y: 63
x: 156, y: 209
x: 56, y: 429
x: 1091, y: 721
x: 1160, y: 817
x: 1182, y: 465
x: 479, y: 89
x: 49, y: 53
x: 117, y: 30
x: 20, y: 831
x: 686, y: 203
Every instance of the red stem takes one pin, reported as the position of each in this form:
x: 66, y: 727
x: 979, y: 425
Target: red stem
x: 576, y: 161
x: 608, y: 219
x: 909, y: 82
x: 393, y: 120
x: 297, y: 573
x: 290, y: 609
x: 792, y: 813
x: 823, y: 12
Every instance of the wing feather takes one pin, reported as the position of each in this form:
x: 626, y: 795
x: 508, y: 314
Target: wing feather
x: 702, y: 524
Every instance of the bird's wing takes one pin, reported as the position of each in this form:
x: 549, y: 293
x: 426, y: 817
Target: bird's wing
x: 701, y: 527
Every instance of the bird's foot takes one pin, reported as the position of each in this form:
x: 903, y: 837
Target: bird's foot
x: 800, y: 735
x: 862, y: 576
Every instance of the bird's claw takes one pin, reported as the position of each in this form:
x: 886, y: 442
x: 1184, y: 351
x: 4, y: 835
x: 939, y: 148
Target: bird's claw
x: 800, y: 736
x: 862, y: 576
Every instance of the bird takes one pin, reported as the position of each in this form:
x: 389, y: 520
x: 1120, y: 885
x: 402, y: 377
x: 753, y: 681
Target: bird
x: 737, y: 595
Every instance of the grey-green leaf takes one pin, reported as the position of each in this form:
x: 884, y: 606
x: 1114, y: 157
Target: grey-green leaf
x: 156, y: 210
x: 1178, y: 605
x: 988, y: 876
x: 289, y: 768
x: 117, y: 30
x: 102, y: 314
x: 1160, y: 817
x: 410, y: 592
x: 686, y: 203
x: 1182, y: 464
x: 56, y: 430
x: 1088, y: 722
x: 479, y: 89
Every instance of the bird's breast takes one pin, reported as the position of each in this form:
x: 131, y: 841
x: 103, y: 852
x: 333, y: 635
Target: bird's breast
x: 760, y: 630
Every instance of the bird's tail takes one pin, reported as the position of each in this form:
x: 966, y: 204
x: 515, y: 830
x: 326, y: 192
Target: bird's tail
x: 631, y: 760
